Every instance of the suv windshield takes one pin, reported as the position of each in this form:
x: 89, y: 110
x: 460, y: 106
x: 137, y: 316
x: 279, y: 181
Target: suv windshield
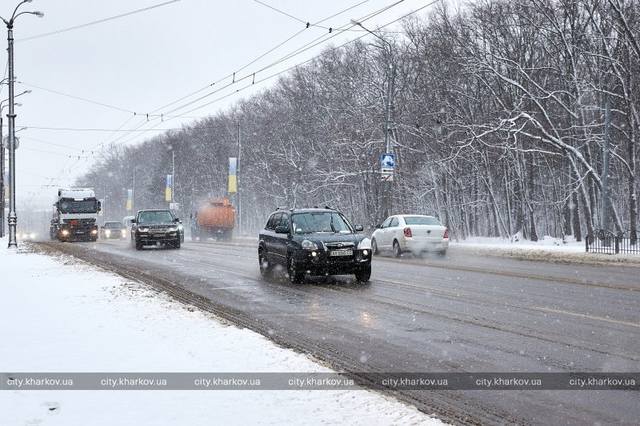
x: 155, y: 217
x: 305, y: 223
x: 112, y: 225
x: 421, y: 220
x: 72, y: 206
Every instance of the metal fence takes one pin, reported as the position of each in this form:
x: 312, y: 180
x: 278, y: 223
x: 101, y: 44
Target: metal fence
x: 607, y: 242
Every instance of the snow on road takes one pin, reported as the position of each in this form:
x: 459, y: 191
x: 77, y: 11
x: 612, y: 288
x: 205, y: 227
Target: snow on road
x: 59, y: 315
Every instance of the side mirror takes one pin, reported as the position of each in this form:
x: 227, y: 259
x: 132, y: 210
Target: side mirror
x: 99, y: 206
x: 133, y: 221
x: 282, y: 229
x: 379, y: 226
x: 176, y: 220
x: 359, y: 228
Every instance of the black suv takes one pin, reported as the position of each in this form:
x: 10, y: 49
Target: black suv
x: 154, y: 227
x: 317, y: 241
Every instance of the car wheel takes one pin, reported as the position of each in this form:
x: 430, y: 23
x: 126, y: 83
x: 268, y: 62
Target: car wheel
x: 177, y: 244
x: 374, y: 247
x: 364, y: 274
x: 397, y: 251
x: 442, y: 253
x: 138, y: 246
x: 263, y: 263
x: 295, y: 276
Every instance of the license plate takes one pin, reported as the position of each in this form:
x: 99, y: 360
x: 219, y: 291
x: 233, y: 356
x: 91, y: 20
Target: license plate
x: 345, y: 252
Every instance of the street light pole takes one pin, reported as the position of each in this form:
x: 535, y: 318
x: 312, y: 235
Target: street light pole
x: 2, y: 173
x: 387, y: 119
x: 13, y: 218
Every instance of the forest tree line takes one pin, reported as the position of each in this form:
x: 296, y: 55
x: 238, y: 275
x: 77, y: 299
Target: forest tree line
x: 502, y: 116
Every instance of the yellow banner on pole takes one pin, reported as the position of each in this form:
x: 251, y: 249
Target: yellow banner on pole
x: 233, y: 179
x: 233, y: 184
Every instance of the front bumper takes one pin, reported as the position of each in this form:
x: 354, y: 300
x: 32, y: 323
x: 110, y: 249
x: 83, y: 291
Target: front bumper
x: 77, y: 234
x: 324, y: 264
x: 155, y: 238
x: 113, y: 236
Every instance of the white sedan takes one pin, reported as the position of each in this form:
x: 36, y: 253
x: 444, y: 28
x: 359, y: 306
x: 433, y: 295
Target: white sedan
x: 415, y: 233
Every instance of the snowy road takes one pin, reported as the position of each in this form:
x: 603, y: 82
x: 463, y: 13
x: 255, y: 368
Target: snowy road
x: 461, y: 313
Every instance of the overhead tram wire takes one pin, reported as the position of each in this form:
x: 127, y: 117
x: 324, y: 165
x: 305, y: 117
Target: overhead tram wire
x: 99, y: 21
x: 307, y: 23
x: 296, y: 52
x: 310, y: 59
x: 230, y: 75
x: 362, y: 19
x: 280, y: 44
x: 315, y: 42
x: 229, y: 94
x: 80, y: 98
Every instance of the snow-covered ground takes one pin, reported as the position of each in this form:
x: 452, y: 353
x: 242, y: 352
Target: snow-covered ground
x: 545, y: 243
x: 59, y: 315
x: 547, y: 248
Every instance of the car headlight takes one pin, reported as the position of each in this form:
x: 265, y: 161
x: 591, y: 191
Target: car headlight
x: 180, y: 227
x: 309, y: 245
x: 172, y: 229
x: 124, y: 233
x: 94, y: 232
x: 143, y: 229
x: 65, y: 232
x: 32, y: 235
x: 107, y: 232
x: 364, y: 244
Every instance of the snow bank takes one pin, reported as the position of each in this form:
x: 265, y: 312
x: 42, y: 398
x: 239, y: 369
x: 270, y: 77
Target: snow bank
x: 547, y: 248
x: 59, y: 315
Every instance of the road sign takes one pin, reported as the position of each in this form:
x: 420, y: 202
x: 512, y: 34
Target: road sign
x: 387, y: 165
x: 387, y: 161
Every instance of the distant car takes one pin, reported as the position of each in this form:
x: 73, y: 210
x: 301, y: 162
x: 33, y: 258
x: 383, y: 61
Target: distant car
x: 415, y: 233
x: 156, y: 227
x: 315, y: 242
x: 113, y: 230
x: 26, y: 235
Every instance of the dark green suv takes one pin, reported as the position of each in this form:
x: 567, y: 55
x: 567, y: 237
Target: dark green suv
x: 314, y: 241
x: 156, y: 227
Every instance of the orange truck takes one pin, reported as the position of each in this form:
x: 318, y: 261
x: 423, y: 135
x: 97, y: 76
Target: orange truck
x: 214, y: 219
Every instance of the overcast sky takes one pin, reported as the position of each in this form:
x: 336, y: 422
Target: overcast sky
x: 141, y: 62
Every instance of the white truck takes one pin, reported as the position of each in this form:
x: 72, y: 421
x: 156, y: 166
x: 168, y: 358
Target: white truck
x: 75, y: 214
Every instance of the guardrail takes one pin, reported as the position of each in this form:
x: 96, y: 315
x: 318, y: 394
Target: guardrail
x: 607, y: 242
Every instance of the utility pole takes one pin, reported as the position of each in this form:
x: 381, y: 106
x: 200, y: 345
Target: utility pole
x: 1, y: 177
x: 605, y: 167
x: 12, y: 217
x: 2, y: 160
x: 387, y: 189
